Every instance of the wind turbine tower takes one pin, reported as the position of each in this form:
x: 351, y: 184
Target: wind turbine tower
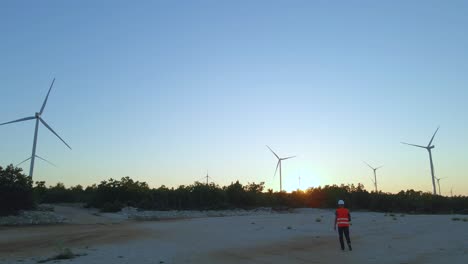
x: 438, y: 183
x: 279, y: 165
x: 375, y: 174
x: 38, y: 117
x: 429, y: 147
x: 207, y: 177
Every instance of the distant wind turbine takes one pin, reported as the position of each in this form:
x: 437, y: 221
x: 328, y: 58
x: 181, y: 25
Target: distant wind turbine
x: 375, y: 174
x: 38, y: 118
x: 429, y: 147
x: 207, y: 177
x: 438, y: 183
x: 279, y: 165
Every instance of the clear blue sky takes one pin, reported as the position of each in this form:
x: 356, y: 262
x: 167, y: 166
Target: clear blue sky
x: 163, y: 90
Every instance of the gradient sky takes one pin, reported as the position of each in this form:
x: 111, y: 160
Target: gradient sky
x: 164, y: 90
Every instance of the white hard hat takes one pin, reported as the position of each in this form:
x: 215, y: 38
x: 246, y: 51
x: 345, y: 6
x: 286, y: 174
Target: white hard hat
x: 340, y: 202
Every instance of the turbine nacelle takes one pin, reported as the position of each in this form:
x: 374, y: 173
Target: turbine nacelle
x: 37, y: 115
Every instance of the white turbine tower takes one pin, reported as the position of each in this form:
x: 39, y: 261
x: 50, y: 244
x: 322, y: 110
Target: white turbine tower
x: 438, y: 183
x: 375, y: 174
x: 429, y: 148
x: 279, y: 165
x: 38, y: 118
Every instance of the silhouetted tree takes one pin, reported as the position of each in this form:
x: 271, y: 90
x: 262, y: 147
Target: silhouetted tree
x: 15, y: 190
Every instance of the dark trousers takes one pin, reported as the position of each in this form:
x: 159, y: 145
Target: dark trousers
x: 344, y: 230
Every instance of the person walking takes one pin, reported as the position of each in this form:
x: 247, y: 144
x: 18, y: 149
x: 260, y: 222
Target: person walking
x: 343, y: 220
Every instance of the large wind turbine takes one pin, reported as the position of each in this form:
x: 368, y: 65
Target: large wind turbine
x: 375, y: 174
x: 429, y: 148
x: 279, y: 165
x: 38, y: 118
x: 438, y: 183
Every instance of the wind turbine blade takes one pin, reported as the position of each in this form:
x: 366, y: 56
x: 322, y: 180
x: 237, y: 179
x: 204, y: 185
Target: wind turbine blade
x: 45, y: 124
x: 368, y: 165
x: 288, y: 158
x: 430, y: 142
x: 19, y: 120
x: 22, y: 162
x: 47, y: 97
x: 46, y: 161
x: 272, y: 152
x: 378, y: 167
x: 277, y: 165
x: 413, y: 145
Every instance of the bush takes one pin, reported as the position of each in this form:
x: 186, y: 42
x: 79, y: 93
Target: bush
x: 112, y: 207
x: 15, y: 191
x: 114, y: 193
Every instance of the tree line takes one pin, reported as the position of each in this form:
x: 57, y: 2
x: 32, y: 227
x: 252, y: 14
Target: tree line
x: 18, y: 192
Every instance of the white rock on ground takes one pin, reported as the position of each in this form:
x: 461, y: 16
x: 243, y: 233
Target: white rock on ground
x: 32, y: 218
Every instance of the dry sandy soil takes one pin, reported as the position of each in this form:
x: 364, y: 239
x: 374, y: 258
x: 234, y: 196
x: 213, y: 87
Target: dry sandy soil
x: 271, y: 238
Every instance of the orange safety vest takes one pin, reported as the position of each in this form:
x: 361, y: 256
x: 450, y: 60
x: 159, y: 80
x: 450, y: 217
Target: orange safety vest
x: 342, y: 218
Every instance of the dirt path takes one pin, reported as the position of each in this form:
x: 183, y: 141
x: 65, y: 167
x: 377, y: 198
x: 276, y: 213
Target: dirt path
x: 42, y: 240
x: 275, y: 238
x: 76, y: 214
x: 297, y: 250
x: 84, y: 228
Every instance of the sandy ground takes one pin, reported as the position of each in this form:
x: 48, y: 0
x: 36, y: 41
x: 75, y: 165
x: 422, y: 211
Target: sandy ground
x: 271, y: 238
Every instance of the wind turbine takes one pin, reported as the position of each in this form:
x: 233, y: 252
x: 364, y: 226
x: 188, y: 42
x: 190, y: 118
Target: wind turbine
x: 38, y: 118
x: 207, y: 177
x: 375, y: 174
x: 279, y: 165
x: 438, y: 183
x: 429, y: 148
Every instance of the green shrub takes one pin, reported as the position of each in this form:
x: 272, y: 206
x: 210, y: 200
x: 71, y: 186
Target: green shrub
x: 112, y: 207
x: 112, y: 195
x: 15, y: 191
